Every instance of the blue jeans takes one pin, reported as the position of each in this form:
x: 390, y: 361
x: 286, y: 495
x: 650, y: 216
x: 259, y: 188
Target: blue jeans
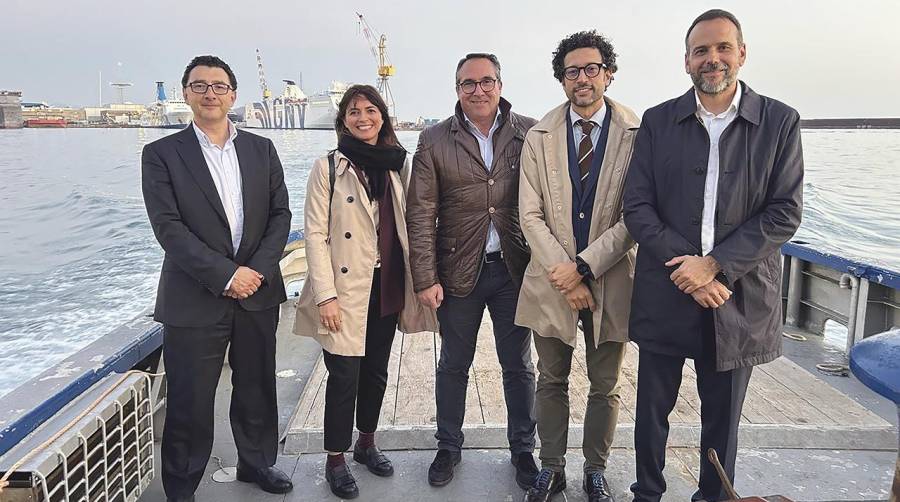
x: 460, y: 318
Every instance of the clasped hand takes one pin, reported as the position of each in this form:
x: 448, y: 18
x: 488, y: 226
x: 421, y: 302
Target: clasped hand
x: 245, y: 283
x: 695, y: 276
x: 564, y: 276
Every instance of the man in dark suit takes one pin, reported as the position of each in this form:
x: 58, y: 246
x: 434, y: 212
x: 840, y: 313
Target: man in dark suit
x: 219, y: 208
x: 713, y: 191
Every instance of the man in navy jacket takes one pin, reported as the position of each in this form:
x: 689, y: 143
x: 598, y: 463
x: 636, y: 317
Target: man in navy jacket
x: 713, y: 190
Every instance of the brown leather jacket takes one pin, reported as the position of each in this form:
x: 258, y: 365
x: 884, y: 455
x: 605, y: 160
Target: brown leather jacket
x: 453, y: 198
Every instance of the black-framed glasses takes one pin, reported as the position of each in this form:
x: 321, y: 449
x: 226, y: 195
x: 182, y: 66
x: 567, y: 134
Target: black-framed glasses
x: 218, y: 88
x: 591, y: 70
x: 468, y: 86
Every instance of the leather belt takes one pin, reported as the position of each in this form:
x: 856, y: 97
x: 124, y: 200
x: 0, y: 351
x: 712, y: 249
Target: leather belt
x: 493, y: 257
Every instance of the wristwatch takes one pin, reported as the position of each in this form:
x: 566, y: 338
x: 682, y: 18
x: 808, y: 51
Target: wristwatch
x: 583, y: 268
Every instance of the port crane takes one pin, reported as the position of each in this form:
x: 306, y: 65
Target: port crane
x: 266, y: 93
x: 378, y: 46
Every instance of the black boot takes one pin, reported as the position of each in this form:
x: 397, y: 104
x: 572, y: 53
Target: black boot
x: 547, y: 484
x: 372, y: 458
x: 341, y: 481
x: 441, y: 471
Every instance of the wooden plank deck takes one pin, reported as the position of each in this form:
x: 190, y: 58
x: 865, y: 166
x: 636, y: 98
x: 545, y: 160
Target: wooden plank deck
x: 782, y: 397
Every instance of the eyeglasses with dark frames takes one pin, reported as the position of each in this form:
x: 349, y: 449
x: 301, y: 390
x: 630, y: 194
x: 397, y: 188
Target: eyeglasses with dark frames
x: 591, y: 70
x: 468, y: 86
x: 218, y: 88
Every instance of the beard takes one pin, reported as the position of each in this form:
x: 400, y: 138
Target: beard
x: 585, y: 101
x: 708, y: 87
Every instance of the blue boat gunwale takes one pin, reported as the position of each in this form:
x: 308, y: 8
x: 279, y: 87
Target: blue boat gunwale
x: 878, y: 275
x: 143, y: 344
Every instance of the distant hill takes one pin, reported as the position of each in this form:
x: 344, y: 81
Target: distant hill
x: 879, y: 123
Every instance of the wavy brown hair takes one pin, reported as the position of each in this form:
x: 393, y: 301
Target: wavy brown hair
x: 386, y: 135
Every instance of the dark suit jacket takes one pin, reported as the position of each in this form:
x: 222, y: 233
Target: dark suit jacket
x: 189, y: 221
x: 757, y: 210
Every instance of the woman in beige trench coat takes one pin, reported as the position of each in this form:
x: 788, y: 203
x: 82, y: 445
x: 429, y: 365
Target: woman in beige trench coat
x: 358, y: 288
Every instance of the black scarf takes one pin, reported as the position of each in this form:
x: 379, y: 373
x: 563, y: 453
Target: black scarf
x: 374, y: 160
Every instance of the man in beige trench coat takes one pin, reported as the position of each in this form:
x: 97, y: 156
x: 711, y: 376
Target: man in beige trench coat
x: 582, y: 258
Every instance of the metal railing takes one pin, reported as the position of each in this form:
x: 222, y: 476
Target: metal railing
x: 819, y: 286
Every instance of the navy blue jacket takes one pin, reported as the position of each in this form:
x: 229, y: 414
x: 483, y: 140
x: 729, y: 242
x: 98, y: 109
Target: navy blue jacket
x: 758, y: 209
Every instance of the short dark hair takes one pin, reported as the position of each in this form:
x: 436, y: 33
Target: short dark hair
x: 709, y: 16
x: 478, y: 55
x: 211, y: 61
x: 386, y: 136
x: 580, y: 40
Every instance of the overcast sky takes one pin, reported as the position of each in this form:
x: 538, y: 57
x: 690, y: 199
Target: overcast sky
x: 825, y: 58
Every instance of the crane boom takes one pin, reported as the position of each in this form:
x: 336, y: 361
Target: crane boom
x: 266, y: 93
x: 378, y: 47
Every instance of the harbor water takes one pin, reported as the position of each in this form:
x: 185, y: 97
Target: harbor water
x: 78, y: 257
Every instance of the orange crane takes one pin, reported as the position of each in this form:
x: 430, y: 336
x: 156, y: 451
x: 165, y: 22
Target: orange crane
x: 378, y: 46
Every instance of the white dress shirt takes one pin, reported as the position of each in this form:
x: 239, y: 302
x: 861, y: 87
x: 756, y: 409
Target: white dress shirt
x: 486, y: 145
x: 226, y: 175
x: 715, y: 125
x: 597, y: 118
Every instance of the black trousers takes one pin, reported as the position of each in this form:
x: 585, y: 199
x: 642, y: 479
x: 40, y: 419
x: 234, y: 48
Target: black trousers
x: 359, y: 382
x: 721, y: 400
x: 193, y: 360
x: 460, y: 318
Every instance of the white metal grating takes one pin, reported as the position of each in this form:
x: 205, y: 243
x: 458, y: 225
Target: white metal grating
x: 107, y: 456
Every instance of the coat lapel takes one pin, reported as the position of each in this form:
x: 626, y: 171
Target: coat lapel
x: 192, y: 156
x: 556, y: 152
x: 254, y: 186
x: 343, y: 168
x: 608, y: 175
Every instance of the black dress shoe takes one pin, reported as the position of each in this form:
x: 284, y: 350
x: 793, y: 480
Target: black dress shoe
x: 341, y: 481
x: 547, y: 484
x: 270, y: 479
x: 441, y: 471
x: 526, y: 469
x: 596, y: 487
x: 372, y: 458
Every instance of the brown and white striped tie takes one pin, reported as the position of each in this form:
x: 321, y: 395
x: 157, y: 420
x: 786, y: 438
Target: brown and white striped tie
x: 585, y: 149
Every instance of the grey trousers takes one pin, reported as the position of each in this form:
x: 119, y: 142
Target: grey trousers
x: 552, y: 398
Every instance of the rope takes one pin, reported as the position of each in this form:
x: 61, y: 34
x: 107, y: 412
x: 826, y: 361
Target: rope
x: 835, y: 369
x: 4, y: 481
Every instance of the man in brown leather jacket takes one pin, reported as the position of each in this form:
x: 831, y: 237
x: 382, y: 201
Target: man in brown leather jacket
x: 465, y: 242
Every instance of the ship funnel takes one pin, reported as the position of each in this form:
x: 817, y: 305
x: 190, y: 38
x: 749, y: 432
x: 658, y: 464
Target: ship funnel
x: 160, y: 91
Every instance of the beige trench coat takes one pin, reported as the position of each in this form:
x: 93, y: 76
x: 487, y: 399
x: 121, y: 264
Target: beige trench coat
x: 341, y: 266
x: 545, y: 213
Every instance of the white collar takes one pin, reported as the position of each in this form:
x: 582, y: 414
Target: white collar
x: 596, y: 118
x: 735, y: 102
x: 493, y: 126
x: 204, y: 139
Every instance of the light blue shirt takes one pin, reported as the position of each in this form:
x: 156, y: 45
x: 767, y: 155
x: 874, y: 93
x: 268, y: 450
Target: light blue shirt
x: 486, y: 145
x: 597, y: 118
x: 223, y: 166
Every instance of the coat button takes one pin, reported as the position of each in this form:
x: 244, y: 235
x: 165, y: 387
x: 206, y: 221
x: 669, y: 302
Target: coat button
x: 559, y: 208
x: 347, y: 235
x: 565, y: 243
x: 700, y: 170
x: 491, y: 182
x: 350, y: 198
x: 695, y: 221
x: 491, y: 210
x: 344, y: 270
x: 452, y: 250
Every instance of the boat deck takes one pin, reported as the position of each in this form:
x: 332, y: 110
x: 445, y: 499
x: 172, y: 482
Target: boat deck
x: 800, y: 436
